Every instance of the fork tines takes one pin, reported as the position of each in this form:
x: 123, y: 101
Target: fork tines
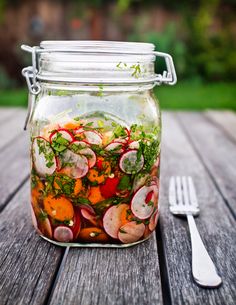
x: 182, y: 196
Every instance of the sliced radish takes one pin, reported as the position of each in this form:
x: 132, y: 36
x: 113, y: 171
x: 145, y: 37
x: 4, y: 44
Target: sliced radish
x: 43, y: 157
x: 89, y: 216
x: 112, y: 219
x: 133, y: 145
x: 76, y: 165
x: 115, y: 147
x: 143, y: 201
x: 65, y: 134
x: 76, y: 146
x: 45, y: 227
x: 80, y: 147
x: 90, y: 155
x: 139, y: 181
x: 93, y: 137
x: 34, y: 219
x: 131, y: 232
x: 129, y: 162
x: 153, y: 221
x: 63, y: 234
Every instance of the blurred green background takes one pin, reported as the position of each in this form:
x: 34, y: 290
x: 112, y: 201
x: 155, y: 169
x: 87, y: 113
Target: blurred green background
x: 200, y: 35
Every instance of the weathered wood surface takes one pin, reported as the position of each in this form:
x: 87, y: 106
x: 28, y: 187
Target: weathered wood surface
x: 217, y: 152
x: 216, y: 224
x: 110, y: 276
x: 32, y: 271
x: 224, y: 119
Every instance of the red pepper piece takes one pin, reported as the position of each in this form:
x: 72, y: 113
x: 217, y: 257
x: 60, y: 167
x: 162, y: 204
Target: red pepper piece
x: 99, y: 164
x: 109, y: 189
x: 149, y: 197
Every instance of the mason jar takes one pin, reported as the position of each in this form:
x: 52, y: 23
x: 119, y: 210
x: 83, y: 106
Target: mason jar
x: 95, y: 130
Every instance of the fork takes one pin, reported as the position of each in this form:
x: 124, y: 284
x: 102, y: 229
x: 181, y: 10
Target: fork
x: 183, y: 201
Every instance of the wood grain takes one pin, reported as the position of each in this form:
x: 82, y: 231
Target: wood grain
x: 215, y: 223
x: 28, y: 264
x: 217, y: 151
x: 15, y: 166
x: 12, y: 127
x: 110, y: 276
x: 225, y: 119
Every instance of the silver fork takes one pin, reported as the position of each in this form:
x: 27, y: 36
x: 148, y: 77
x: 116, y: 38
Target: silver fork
x: 183, y: 201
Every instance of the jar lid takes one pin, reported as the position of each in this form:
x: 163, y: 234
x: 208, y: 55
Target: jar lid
x: 96, y: 62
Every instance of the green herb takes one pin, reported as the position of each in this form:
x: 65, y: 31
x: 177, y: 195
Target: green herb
x: 81, y: 200
x: 137, y: 70
x: 122, y: 231
x: 146, y: 222
x: 59, y: 144
x: 42, y: 215
x: 150, y: 203
x: 124, y: 183
x: 45, y: 149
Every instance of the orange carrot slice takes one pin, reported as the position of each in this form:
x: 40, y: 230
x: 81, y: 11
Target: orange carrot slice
x: 93, y: 234
x: 59, y: 208
x: 95, y: 195
x: 78, y: 186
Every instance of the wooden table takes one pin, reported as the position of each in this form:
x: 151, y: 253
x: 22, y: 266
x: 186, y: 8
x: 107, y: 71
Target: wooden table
x: 158, y: 271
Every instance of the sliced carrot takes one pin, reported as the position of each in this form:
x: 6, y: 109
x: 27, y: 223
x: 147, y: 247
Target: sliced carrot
x: 95, y: 195
x: 78, y: 186
x: 93, y: 234
x: 126, y: 215
x: 59, y: 208
x: 72, y: 125
x: 100, y: 174
x: 94, y: 176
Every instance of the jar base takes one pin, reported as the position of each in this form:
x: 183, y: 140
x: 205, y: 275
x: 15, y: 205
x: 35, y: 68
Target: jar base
x: 94, y: 245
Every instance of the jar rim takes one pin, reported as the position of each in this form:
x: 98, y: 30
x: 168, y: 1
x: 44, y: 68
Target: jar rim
x: 100, y: 45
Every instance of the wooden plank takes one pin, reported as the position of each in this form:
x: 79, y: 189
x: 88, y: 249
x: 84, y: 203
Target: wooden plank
x: 6, y: 113
x: 15, y: 167
x: 225, y: 119
x: 217, y: 151
x: 11, y: 128
x: 28, y: 264
x: 215, y: 223
x: 110, y: 276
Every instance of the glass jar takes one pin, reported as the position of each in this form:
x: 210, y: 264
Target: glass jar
x: 95, y: 132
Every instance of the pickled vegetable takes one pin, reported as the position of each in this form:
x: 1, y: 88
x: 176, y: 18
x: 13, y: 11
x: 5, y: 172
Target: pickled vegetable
x: 95, y: 181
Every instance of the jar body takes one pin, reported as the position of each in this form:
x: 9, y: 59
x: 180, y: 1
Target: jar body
x: 95, y: 166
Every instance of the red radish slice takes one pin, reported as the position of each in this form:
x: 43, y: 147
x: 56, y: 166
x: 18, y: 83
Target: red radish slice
x: 80, y: 147
x: 131, y: 232
x: 93, y: 137
x: 67, y: 135
x: 76, y: 146
x: 34, y: 219
x: 133, y: 145
x: 115, y: 147
x: 77, y: 165
x: 88, y: 208
x: 90, y: 155
x: 43, y: 157
x: 139, y: 181
x: 63, y: 234
x: 45, y: 227
x: 112, y: 219
x: 89, y: 216
x: 129, y: 163
x: 153, y: 221
x: 139, y: 207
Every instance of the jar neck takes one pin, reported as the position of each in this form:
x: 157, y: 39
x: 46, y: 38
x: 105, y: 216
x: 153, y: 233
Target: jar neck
x: 77, y: 87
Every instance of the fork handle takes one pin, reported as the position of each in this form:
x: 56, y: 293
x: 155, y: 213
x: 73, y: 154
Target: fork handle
x: 203, y: 268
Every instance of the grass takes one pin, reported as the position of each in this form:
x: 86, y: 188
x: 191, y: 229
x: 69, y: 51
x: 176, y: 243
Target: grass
x: 190, y: 96
x: 185, y: 95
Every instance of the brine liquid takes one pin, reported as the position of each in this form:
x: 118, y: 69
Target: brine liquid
x: 95, y: 179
